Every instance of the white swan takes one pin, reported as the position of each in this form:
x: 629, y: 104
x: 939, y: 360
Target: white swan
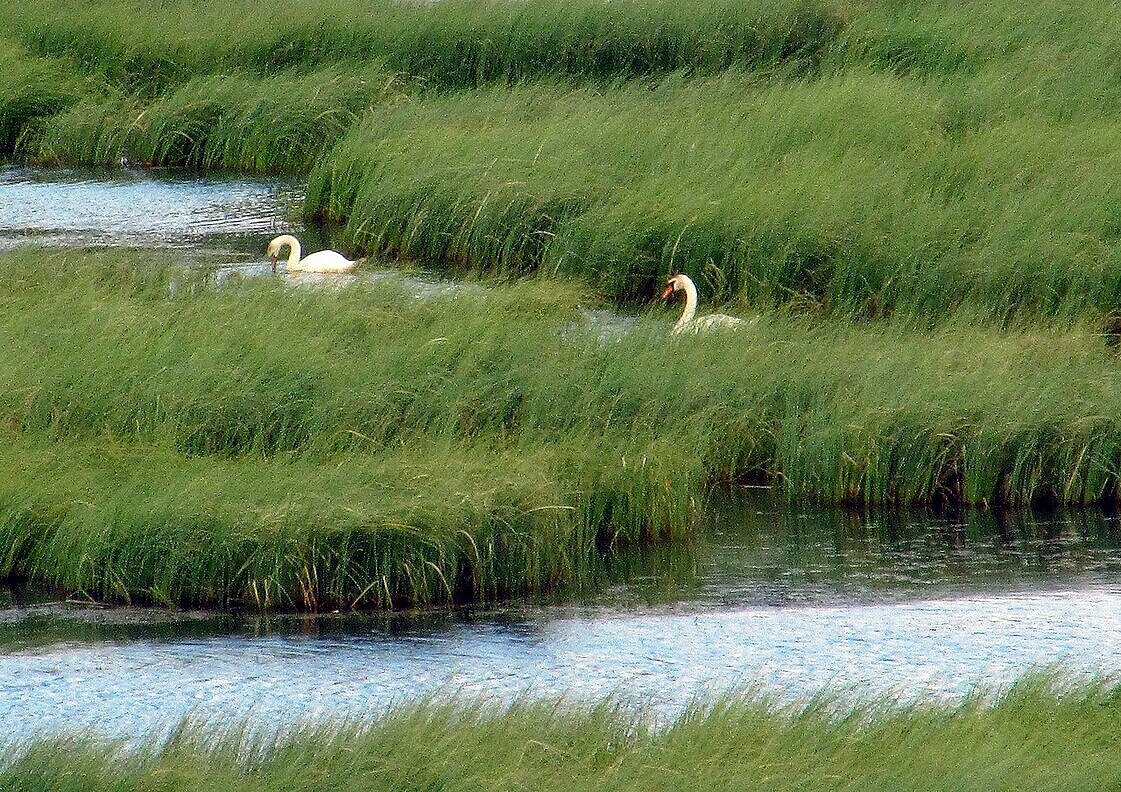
x: 687, y: 324
x: 323, y: 261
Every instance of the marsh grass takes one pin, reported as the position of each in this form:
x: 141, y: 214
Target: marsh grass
x: 849, y: 194
x: 861, y: 160
x: 279, y: 124
x: 1038, y: 734
x: 283, y: 446
x: 882, y: 413
x: 34, y: 88
x: 145, y: 48
x: 415, y: 527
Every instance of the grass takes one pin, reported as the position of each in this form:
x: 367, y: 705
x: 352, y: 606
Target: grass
x: 32, y: 89
x: 861, y: 159
x: 97, y: 345
x: 1036, y: 735
x: 849, y: 193
x: 279, y: 124
x: 148, y: 46
x: 420, y: 527
x: 177, y: 443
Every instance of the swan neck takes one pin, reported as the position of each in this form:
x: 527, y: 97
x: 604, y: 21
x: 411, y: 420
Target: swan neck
x: 690, y: 305
x: 294, y: 252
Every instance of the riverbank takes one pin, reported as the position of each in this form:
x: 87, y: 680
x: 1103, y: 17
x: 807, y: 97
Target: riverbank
x: 1036, y: 735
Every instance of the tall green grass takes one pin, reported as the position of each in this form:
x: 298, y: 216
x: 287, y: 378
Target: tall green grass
x: 1037, y: 735
x: 148, y: 46
x: 850, y: 193
x: 230, y: 122
x: 33, y: 88
x: 97, y: 345
x: 427, y: 525
x: 886, y: 157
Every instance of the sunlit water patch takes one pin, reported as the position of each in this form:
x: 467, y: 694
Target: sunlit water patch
x: 61, y: 207
x: 223, y: 222
x: 793, y: 603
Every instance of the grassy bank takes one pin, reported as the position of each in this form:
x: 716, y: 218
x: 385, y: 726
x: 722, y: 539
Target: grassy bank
x: 278, y: 124
x: 98, y: 345
x: 415, y: 527
x: 849, y: 194
x: 1033, y: 737
x: 147, y: 47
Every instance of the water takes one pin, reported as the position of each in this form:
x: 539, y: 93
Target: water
x: 909, y: 606
x: 224, y: 222
x: 134, y: 208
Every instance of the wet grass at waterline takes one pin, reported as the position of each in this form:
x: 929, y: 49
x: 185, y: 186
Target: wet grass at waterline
x: 1037, y: 735
x: 97, y: 344
x: 409, y: 527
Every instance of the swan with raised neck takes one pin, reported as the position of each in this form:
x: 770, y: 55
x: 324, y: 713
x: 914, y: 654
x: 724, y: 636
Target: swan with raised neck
x: 323, y: 261
x: 689, y: 322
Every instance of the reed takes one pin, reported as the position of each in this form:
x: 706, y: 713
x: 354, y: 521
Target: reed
x: 1038, y: 734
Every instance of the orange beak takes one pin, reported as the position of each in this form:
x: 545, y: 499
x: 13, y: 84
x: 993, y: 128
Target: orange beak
x: 668, y: 292
x: 272, y: 261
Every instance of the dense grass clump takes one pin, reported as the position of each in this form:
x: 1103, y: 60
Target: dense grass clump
x: 420, y: 526
x: 147, y: 47
x: 232, y: 122
x: 33, y: 88
x: 1037, y: 735
x: 881, y: 413
x: 848, y: 193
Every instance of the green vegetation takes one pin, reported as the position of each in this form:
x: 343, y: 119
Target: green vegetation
x: 915, y: 203
x: 399, y: 528
x: 304, y: 447
x: 147, y: 46
x: 845, y: 194
x: 1035, y: 736
x: 864, y: 160
x: 276, y: 124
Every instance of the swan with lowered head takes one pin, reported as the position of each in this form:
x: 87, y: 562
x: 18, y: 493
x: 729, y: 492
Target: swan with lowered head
x: 323, y: 261
x: 689, y: 322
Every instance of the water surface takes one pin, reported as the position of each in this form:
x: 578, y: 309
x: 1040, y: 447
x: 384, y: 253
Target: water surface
x: 142, y: 208
x: 912, y: 606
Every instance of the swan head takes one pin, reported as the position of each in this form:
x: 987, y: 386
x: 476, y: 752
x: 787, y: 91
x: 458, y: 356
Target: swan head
x: 284, y: 240
x: 274, y: 252
x: 673, y: 285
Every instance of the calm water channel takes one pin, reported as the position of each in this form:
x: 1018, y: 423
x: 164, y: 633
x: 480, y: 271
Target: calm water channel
x: 791, y: 601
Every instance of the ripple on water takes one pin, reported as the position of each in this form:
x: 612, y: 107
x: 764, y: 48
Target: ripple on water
x: 793, y: 603
x: 939, y: 648
x: 142, y: 208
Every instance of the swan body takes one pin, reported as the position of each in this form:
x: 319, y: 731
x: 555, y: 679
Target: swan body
x: 323, y: 261
x: 689, y: 321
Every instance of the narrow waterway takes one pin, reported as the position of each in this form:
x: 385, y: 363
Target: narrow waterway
x: 793, y: 603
